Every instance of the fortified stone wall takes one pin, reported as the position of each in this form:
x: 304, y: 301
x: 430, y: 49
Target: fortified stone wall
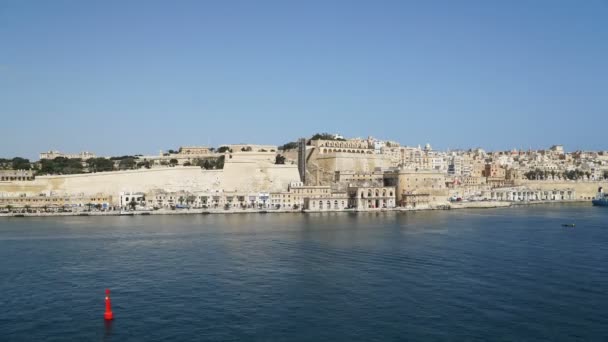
x: 322, y: 166
x: 242, y: 174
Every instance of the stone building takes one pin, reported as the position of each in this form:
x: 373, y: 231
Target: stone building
x: 524, y: 194
x: 194, y: 151
x: 412, y: 201
x: 16, y: 175
x: 369, y: 198
x: 328, y: 202
x: 421, y: 181
x: 54, y: 154
x: 54, y: 202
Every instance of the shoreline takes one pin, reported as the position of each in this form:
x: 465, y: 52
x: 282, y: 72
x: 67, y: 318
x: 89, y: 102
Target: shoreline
x: 447, y: 206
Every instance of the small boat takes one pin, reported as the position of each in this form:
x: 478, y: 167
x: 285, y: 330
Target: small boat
x: 568, y: 225
x: 601, y: 199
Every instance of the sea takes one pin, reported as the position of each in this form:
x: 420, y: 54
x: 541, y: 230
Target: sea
x: 507, y: 274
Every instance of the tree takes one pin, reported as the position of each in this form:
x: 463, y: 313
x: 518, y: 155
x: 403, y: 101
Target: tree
x: 224, y: 149
x: 100, y: 164
x: 187, y: 163
x: 133, y: 204
x: 61, y: 166
x: 325, y: 136
x: 181, y: 200
x: 127, y: 164
x: 190, y: 199
x: 19, y: 163
x: 27, y: 207
x: 279, y: 159
x: 145, y: 163
x: 173, y: 162
x: 289, y: 146
x: 172, y: 152
x: 219, y: 163
x: 246, y: 149
x: 9, y: 208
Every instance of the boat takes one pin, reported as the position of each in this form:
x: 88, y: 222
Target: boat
x: 568, y: 225
x: 601, y: 199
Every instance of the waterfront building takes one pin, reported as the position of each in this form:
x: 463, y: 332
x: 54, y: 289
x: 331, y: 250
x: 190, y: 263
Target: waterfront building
x: 525, y: 194
x: 414, y: 200
x: 421, y: 181
x: 54, y: 202
x: 328, y: 202
x: 369, y: 198
x: 127, y: 198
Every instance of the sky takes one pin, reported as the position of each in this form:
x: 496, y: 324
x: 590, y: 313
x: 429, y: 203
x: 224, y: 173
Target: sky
x: 136, y: 77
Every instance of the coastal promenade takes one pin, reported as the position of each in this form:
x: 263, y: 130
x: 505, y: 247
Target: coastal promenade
x: 446, y: 206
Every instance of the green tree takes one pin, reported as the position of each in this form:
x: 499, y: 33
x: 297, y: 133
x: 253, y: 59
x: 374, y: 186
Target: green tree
x: 190, y: 199
x: 223, y: 149
x: 173, y: 162
x: 279, y: 159
x: 19, y: 163
x: 246, y: 149
x: 133, y: 204
x: 325, y: 136
x: 187, y: 163
x: 100, y: 164
x: 289, y: 146
x: 127, y: 164
x: 219, y: 163
x: 145, y: 163
x: 61, y: 166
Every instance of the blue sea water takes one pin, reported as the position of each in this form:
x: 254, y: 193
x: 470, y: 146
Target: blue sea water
x: 512, y: 274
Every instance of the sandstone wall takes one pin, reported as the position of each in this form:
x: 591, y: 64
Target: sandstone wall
x: 241, y: 174
x: 321, y: 168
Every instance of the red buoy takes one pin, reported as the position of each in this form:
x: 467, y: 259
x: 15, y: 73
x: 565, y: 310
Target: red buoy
x: 108, y: 315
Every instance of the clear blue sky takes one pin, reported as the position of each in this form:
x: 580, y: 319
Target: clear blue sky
x: 125, y: 77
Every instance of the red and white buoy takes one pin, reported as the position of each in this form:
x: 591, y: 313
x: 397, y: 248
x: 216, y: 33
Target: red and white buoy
x: 108, y: 315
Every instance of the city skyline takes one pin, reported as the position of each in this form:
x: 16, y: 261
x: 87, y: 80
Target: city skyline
x: 82, y: 76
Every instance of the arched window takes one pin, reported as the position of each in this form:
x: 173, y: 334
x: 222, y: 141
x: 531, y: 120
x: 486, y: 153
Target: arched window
x: 377, y: 193
x: 384, y: 193
x: 336, y: 204
x: 328, y: 204
x: 369, y: 193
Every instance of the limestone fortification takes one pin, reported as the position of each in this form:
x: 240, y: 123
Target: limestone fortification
x: 245, y: 172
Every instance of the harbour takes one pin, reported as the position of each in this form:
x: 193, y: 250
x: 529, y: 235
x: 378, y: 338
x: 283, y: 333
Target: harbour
x: 460, y: 274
